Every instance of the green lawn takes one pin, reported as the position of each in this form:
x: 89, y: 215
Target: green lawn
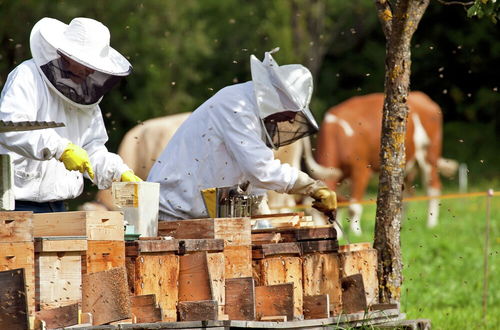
x: 443, y: 267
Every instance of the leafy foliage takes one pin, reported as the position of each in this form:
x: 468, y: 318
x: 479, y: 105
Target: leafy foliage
x: 487, y: 8
x: 184, y: 52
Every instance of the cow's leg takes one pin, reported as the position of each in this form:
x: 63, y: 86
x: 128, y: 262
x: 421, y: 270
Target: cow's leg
x: 430, y: 180
x: 433, y: 190
x: 427, y: 153
x: 360, y: 178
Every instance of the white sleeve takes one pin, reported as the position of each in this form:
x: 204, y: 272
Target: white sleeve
x: 20, y: 102
x: 241, y: 134
x: 108, y: 167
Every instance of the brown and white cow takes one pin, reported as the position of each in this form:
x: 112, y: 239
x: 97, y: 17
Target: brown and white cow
x: 349, y: 140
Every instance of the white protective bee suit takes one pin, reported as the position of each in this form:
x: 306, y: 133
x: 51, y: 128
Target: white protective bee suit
x: 225, y: 141
x: 30, y: 95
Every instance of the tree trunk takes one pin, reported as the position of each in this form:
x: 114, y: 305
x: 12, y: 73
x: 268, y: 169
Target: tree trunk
x: 399, y: 21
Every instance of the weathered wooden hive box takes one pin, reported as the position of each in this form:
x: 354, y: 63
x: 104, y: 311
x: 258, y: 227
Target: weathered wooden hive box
x: 17, y: 249
x: 307, y: 258
x: 153, y: 269
x: 211, y: 252
x: 58, y: 273
x: 104, y: 231
x: 235, y: 232
x: 361, y: 258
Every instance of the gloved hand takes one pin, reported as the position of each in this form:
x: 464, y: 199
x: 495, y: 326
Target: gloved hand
x: 325, y: 200
x: 76, y: 158
x: 129, y: 176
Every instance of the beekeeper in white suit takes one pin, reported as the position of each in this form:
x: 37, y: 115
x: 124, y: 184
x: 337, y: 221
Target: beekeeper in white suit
x: 228, y: 141
x: 72, y: 67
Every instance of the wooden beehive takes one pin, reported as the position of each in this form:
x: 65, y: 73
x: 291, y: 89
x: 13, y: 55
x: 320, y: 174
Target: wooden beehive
x: 202, y: 276
x: 58, y: 274
x: 153, y: 268
x: 103, y: 255
x: 236, y: 233
x: 281, y: 264
x: 304, y: 256
x: 17, y: 249
x: 361, y: 258
x: 104, y: 231
x: 95, y: 225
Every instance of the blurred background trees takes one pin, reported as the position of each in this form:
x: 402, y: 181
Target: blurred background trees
x: 185, y: 51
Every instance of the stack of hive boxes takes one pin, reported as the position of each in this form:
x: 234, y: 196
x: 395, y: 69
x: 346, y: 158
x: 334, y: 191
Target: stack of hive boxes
x: 69, y: 246
x: 17, y: 250
x: 285, y: 273
x: 211, y: 251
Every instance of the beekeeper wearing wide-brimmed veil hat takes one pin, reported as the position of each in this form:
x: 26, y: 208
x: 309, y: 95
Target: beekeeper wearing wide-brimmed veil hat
x: 73, y: 66
x: 228, y: 141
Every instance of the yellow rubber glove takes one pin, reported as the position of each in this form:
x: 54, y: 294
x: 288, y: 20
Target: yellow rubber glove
x: 76, y: 158
x: 325, y: 200
x: 129, y: 176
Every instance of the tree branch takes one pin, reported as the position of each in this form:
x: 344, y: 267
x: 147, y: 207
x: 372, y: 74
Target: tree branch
x: 470, y: 3
x: 385, y: 16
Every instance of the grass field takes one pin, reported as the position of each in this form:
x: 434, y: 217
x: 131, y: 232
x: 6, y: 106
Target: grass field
x: 443, y: 267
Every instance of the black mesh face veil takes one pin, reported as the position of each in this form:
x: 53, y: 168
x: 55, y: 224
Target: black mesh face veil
x: 82, y: 85
x: 282, y: 133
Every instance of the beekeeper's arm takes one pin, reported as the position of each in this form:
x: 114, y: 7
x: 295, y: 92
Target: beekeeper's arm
x: 20, y: 102
x: 108, y: 167
x: 256, y: 160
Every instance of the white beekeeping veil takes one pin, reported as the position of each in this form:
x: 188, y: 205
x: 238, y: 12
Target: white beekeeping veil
x: 76, y: 60
x: 280, y: 90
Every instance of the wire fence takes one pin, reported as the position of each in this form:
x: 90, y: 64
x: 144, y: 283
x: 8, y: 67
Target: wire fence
x: 411, y: 199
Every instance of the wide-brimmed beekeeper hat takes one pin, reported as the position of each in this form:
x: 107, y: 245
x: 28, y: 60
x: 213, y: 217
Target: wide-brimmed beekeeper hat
x: 76, y: 60
x: 283, y: 88
x: 85, y: 40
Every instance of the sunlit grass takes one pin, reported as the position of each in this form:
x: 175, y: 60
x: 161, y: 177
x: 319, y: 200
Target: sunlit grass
x: 443, y: 267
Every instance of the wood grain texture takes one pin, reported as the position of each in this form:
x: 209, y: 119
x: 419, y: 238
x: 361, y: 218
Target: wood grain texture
x: 364, y: 261
x: 96, y: 225
x: 215, y: 262
x: 158, y: 274
x: 198, y: 310
x: 59, y: 317
x: 58, y: 279
x: 322, y: 276
x: 74, y: 243
x: 145, y: 309
x: 234, y: 231
x: 281, y: 248
x: 105, y: 296
x: 14, y: 309
x: 355, y: 247
x: 285, y: 269
x: 328, y: 245
x: 194, y: 280
x: 103, y: 255
x: 316, y: 307
x: 202, y: 228
x: 353, y: 294
x: 238, y: 261
x: 278, y: 235
x: 274, y: 300
x: 240, y: 298
x: 21, y: 255
x: 306, y: 234
x: 135, y: 248
x: 195, y: 245
x: 16, y: 226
